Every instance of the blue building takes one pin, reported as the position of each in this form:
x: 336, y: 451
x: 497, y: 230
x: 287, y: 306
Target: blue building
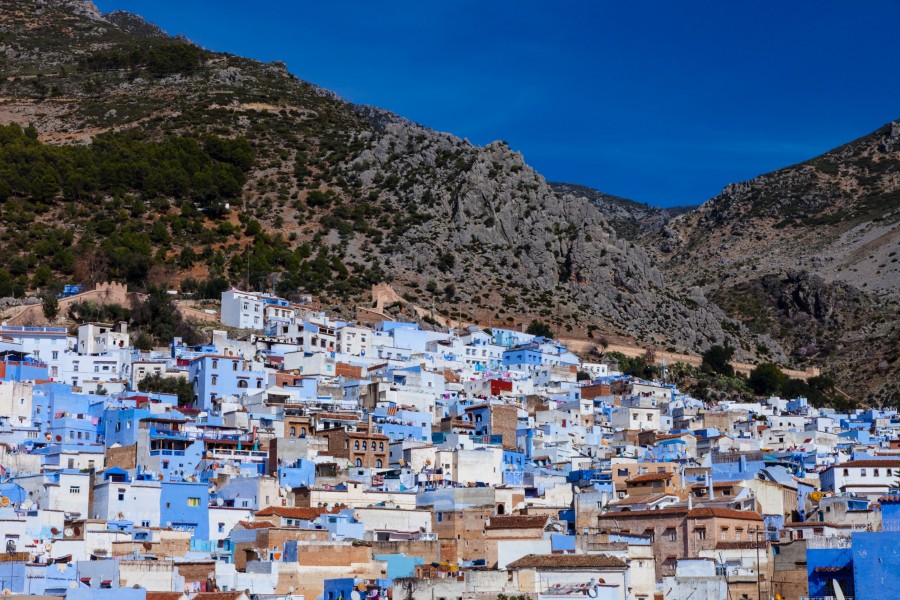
x: 215, y: 376
x: 184, y: 505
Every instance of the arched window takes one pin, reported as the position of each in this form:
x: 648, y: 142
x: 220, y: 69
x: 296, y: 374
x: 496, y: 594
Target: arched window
x: 358, y: 462
x: 378, y: 464
x: 215, y: 380
x: 381, y: 446
x: 234, y: 366
x: 258, y: 383
x: 242, y: 383
x: 364, y: 445
x: 303, y: 431
x: 293, y: 432
x: 356, y: 445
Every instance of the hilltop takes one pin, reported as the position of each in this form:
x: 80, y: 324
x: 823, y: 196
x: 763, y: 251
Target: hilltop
x: 630, y: 219
x: 809, y: 254
x: 163, y: 163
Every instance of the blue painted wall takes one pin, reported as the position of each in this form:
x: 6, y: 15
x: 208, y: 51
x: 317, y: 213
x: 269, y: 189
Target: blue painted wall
x: 876, y: 565
x: 175, y: 507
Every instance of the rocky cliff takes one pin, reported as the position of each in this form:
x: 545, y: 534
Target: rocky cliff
x: 337, y: 196
x: 809, y: 254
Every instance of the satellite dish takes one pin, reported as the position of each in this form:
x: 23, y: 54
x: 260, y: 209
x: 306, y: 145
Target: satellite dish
x: 4, y: 501
x: 58, y: 438
x: 10, y: 546
x: 120, y: 516
x: 68, y: 532
x: 354, y: 595
x: 288, y: 489
x: 219, y: 502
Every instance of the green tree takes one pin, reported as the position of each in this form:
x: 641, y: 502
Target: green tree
x: 716, y: 360
x: 50, y: 306
x: 766, y: 379
x: 539, y: 328
x: 178, y: 386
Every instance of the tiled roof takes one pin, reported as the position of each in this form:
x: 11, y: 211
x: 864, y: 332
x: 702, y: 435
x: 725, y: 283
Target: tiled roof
x: 256, y: 524
x: 567, y: 561
x: 306, y: 514
x: 706, y: 512
x: 746, y: 545
x: 164, y: 595
x: 629, y: 500
x: 517, y: 522
x: 645, y: 514
x: 219, y: 595
x: 867, y: 463
x: 650, y: 477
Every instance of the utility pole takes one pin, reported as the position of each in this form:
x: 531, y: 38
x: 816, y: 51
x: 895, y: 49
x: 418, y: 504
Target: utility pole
x: 758, y: 585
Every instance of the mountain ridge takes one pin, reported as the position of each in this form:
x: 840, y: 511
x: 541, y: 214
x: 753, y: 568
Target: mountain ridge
x: 337, y: 197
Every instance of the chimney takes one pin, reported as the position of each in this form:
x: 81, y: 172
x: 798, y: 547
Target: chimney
x: 709, y: 486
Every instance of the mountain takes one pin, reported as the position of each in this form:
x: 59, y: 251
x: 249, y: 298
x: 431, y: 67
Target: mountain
x: 154, y: 161
x: 809, y: 254
x: 631, y: 220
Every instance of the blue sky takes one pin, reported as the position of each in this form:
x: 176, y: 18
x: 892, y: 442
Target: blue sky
x: 662, y: 102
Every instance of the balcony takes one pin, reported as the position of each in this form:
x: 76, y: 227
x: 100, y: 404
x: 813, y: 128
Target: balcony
x: 198, y: 434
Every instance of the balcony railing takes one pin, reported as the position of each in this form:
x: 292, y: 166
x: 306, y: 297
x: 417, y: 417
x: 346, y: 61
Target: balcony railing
x: 820, y: 542
x: 199, y: 435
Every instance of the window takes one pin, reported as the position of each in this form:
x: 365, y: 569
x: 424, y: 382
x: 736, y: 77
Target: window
x: 364, y: 446
x: 358, y: 462
x: 242, y: 383
x: 259, y: 384
x: 862, y: 473
x: 55, y: 354
x: 215, y: 380
x: 723, y: 535
x: 221, y: 527
x: 193, y: 502
x: 293, y: 432
x: 701, y: 534
x: 215, y: 364
x: 74, y: 489
x: 234, y: 366
x: 875, y: 473
x: 378, y: 464
x: 356, y: 445
x: 672, y: 534
x: 846, y: 472
x: 121, y: 494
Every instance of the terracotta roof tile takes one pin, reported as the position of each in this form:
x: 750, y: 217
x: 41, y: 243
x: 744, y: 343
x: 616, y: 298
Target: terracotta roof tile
x: 567, y: 561
x: 164, y: 595
x: 868, y: 463
x: 706, y: 512
x: 744, y: 545
x: 255, y: 524
x: 650, y: 477
x: 306, y: 514
x: 517, y: 522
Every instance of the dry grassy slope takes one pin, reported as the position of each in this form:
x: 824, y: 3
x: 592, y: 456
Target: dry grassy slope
x: 809, y: 254
x: 408, y: 204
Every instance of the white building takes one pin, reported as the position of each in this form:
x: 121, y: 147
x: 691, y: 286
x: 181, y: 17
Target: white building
x: 355, y: 341
x: 136, y: 501
x: 100, y: 338
x: 870, y: 478
x: 252, y: 310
